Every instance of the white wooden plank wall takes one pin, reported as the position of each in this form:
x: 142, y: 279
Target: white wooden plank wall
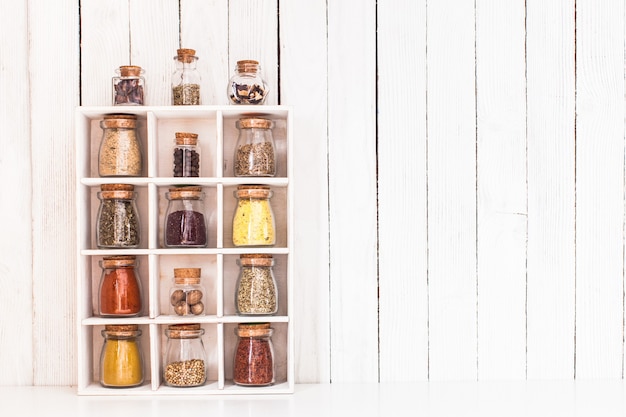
x: 460, y: 175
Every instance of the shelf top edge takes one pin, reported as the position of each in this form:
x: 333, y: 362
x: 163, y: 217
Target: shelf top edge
x: 186, y: 111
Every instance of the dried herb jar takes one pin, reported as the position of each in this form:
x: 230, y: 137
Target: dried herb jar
x: 185, y: 359
x: 256, y: 292
x: 247, y: 86
x: 185, y: 222
x: 119, y: 293
x: 186, y: 78
x: 253, y: 221
x: 254, y: 355
x: 255, y: 153
x: 117, y: 223
x: 119, y: 154
x: 187, y: 295
x: 186, y: 155
x: 121, y: 358
x: 128, y: 86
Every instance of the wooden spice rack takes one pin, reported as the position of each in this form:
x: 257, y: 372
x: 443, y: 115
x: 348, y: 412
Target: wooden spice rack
x: 217, y: 136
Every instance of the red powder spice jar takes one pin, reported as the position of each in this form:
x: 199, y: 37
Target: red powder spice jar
x: 120, y: 287
x: 254, y: 356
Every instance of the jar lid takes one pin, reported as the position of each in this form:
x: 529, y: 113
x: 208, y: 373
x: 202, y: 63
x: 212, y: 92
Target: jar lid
x: 254, y: 122
x: 187, y: 272
x: 185, y: 55
x: 128, y: 121
x: 256, y: 259
x: 130, y: 71
x: 253, y: 191
x: 190, y: 192
x: 127, y: 330
x: 118, y: 261
x: 184, y: 331
x: 253, y: 329
x: 247, y: 65
x: 186, y: 138
x: 122, y: 191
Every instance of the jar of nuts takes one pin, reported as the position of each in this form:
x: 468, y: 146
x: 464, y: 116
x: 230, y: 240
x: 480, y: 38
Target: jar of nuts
x: 187, y: 294
x: 185, y: 361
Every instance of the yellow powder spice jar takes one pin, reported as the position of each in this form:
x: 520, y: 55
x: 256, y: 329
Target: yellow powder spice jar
x: 253, y: 222
x: 121, y: 360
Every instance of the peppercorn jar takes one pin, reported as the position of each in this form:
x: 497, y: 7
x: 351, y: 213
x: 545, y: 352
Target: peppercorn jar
x: 185, y: 222
x: 186, y: 78
x: 253, y: 221
x: 254, y: 355
x: 121, y: 358
x: 117, y: 219
x: 186, y: 155
x: 246, y: 86
x: 256, y: 292
x: 255, y: 154
x: 187, y: 294
x: 119, y: 293
x: 128, y: 86
x: 185, y: 359
x: 119, y: 154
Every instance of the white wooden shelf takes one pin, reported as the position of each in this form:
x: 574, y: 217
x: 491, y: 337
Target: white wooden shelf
x: 215, y: 126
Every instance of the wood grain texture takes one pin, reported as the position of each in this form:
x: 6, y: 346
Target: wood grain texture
x: 501, y: 179
x: 402, y: 197
x: 309, y: 98
x: 599, y: 188
x: 352, y: 190
x: 451, y: 191
x: 551, y: 189
x: 253, y: 34
x: 16, y: 275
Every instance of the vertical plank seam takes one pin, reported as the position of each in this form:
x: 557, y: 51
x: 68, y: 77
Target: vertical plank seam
x: 278, y: 52
x: 575, y: 178
x: 476, y: 185
x: 427, y: 197
x: 130, y: 37
x: 328, y: 219
x: 623, y: 203
x: 526, y: 174
x: 377, y: 189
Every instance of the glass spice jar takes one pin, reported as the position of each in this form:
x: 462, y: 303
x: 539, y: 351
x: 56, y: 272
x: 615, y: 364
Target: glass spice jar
x: 117, y: 219
x: 119, y: 154
x: 254, y: 355
x: 185, y: 361
x: 253, y: 222
x: 185, y: 222
x: 186, y: 155
x: 255, y: 151
x: 121, y: 359
x: 119, y: 293
x: 256, y: 292
x: 128, y: 86
x: 187, y: 295
x: 247, y: 86
x: 186, y: 78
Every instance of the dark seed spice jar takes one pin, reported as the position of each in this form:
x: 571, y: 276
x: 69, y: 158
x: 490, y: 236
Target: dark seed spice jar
x: 117, y: 221
x: 185, y: 223
x: 254, y: 355
x: 186, y: 155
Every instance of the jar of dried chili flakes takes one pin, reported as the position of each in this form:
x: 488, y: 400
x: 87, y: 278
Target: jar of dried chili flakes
x: 254, y: 356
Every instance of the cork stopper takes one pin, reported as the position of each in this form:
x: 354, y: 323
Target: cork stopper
x: 130, y: 71
x: 190, y: 192
x: 187, y: 275
x: 122, y: 191
x: 253, y: 191
x: 248, y: 65
x: 256, y: 259
x: 126, y: 121
x: 186, y: 138
x: 120, y: 261
x: 184, y: 331
x: 185, y: 55
x: 121, y: 330
x: 253, y: 330
x: 254, y: 122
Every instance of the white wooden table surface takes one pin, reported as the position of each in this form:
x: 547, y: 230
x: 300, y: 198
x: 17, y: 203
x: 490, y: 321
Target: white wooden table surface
x: 537, y: 399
